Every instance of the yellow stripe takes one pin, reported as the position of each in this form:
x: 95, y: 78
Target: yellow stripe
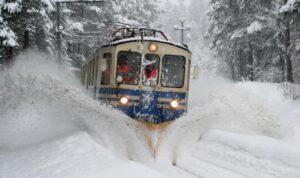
x: 170, y: 99
x: 115, y: 96
x: 117, y: 103
x: 166, y: 106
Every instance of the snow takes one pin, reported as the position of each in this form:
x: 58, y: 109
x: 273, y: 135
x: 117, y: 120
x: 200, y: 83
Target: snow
x: 120, y: 18
x: 96, y: 9
x: 50, y: 127
x: 235, y: 130
x: 12, y: 7
x: 289, y: 6
x: 138, y: 38
x: 76, y: 155
x: 10, y: 36
x: 254, y: 27
x: 77, y: 26
x: 48, y: 4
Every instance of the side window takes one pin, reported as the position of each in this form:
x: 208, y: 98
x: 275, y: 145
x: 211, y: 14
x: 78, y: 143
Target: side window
x: 173, y: 71
x: 150, y: 69
x: 105, y: 66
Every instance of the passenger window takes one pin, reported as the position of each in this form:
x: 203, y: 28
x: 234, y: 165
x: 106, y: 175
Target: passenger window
x: 173, y: 71
x: 150, y: 69
x: 128, y: 67
x: 105, y: 67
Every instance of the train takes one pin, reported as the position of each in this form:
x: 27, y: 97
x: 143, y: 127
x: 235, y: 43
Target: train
x: 142, y: 74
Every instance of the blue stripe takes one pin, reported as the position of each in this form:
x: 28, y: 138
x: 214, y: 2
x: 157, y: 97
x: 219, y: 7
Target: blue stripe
x: 146, y: 110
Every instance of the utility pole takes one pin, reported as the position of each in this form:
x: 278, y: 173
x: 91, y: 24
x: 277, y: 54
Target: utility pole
x: 58, y: 20
x: 58, y: 31
x: 182, y: 28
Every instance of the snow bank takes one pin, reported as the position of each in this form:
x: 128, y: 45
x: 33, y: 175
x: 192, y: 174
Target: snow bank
x: 235, y: 130
x: 74, y: 156
x: 41, y: 101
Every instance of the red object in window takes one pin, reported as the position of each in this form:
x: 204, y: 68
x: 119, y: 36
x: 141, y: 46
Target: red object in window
x: 123, y: 68
x: 150, y: 72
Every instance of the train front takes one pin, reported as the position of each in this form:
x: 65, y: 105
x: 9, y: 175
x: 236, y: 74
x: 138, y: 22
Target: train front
x: 151, y: 79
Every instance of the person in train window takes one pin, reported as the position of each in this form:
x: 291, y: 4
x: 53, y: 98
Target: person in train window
x: 124, y: 70
x: 123, y: 66
x: 150, y: 74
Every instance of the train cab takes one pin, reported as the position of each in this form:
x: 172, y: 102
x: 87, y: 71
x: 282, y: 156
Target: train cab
x: 141, y: 74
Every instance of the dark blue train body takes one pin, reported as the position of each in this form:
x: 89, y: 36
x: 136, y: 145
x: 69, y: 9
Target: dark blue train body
x: 148, y: 106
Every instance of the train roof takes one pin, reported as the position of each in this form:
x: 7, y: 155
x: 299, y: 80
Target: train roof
x: 146, y: 39
x: 132, y: 34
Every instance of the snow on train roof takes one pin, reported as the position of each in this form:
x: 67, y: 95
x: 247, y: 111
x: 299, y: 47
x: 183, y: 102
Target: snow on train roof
x: 138, y: 38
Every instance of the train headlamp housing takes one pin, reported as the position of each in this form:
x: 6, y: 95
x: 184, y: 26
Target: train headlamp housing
x: 124, y: 100
x: 153, y: 47
x: 174, y: 104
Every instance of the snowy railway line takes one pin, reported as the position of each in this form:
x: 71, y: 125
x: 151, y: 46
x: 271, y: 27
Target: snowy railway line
x: 51, y: 128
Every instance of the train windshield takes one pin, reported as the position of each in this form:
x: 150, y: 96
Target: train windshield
x: 150, y: 69
x: 173, y: 70
x: 128, y: 67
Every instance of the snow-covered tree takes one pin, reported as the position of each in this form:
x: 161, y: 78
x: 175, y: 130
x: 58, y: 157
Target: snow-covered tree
x: 25, y: 24
x: 8, y: 38
x: 245, y: 33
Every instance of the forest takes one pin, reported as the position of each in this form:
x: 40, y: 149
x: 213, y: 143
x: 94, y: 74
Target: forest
x: 244, y: 40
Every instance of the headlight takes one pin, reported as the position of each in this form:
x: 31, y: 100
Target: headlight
x: 174, y: 104
x: 152, y: 47
x: 124, y: 100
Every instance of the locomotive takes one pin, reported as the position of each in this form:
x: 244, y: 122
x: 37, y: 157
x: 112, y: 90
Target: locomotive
x: 141, y: 73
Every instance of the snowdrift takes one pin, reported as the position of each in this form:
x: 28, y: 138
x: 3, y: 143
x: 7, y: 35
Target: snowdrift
x: 235, y: 130
x: 41, y: 104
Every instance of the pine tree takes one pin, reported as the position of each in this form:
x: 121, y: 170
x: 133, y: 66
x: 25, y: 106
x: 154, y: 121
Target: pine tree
x: 25, y: 24
x: 8, y: 38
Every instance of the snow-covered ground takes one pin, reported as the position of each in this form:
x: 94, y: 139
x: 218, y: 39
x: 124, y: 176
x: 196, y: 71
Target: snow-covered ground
x: 49, y: 127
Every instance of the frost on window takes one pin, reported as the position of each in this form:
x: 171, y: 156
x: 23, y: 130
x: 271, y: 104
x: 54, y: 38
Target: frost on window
x: 128, y: 67
x: 173, y: 69
x: 150, y: 69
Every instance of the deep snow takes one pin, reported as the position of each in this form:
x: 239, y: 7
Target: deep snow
x: 50, y: 127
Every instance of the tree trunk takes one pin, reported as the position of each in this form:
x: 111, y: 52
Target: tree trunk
x: 232, y: 70
x: 287, y: 44
x: 282, y: 65
x: 26, y: 39
x: 8, y: 54
x: 241, y: 64
x: 250, y: 62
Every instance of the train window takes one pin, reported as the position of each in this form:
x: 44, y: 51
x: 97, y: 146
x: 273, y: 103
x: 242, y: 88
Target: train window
x: 128, y: 67
x: 150, y: 69
x: 173, y: 70
x: 106, y: 70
